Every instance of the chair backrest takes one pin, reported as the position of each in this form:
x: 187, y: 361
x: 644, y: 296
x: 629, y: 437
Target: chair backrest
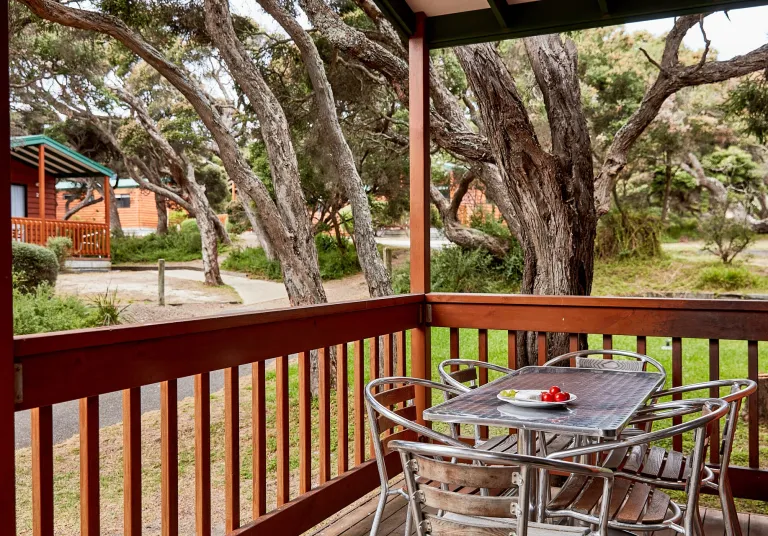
x: 634, y: 362
x: 438, y: 478
x: 463, y: 373
x: 392, y: 416
x: 738, y: 390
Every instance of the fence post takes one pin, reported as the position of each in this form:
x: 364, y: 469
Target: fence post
x: 161, y: 281
x: 388, y: 259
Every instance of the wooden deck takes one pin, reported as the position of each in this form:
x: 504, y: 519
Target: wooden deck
x: 357, y: 521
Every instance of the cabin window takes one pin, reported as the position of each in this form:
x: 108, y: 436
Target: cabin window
x: 123, y: 200
x: 18, y: 201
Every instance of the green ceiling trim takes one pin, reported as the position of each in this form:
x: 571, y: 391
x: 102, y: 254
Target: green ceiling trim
x: 400, y: 14
x: 39, y: 139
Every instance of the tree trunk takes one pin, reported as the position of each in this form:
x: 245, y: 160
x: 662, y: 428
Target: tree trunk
x: 667, y: 188
x: 115, y: 227
x: 207, y: 228
x: 162, y: 215
x: 258, y: 228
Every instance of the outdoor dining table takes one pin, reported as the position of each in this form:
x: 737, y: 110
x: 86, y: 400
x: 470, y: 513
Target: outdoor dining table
x: 606, y: 401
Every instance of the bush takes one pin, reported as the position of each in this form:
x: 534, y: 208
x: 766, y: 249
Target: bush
x: 727, y: 277
x: 454, y: 269
x: 175, y: 246
x: 176, y: 217
x: 41, y: 311
x: 334, y: 262
x: 680, y: 228
x: 107, y: 310
x: 724, y: 236
x: 254, y: 262
x: 628, y: 235
x: 34, y: 265
x: 61, y: 247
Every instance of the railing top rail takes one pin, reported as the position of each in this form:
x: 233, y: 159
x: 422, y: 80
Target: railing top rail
x: 687, y: 304
x: 59, y: 222
x: 26, y: 345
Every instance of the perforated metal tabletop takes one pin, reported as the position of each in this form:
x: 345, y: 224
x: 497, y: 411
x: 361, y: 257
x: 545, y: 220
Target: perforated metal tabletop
x: 607, y: 400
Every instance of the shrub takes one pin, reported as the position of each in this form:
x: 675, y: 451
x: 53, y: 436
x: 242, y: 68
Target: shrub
x: 35, y: 265
x: 107, y: 309
x: 628, y: 235
x: 254, y: 262
x: 725, y: 236
x: 728, y: 277
x: 41, y: 311
x: 61, y: 247
x: 175, y: 217
x: 175, y: 246
x: 681, y: 228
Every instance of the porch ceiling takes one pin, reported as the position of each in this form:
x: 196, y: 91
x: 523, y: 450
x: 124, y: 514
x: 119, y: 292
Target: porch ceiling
x: 462, y: 22
x: 60, y: 160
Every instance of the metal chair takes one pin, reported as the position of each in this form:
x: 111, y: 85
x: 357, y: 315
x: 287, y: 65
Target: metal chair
x: 634, y: 505
x: 437, y: 503
x: 466, y: 372
x: 643, y: 464
x: 638, y: 362
x: 392, y: 416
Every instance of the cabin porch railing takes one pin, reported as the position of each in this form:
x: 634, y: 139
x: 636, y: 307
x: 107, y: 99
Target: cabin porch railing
x: 366, y: 337
x: 88, y: 239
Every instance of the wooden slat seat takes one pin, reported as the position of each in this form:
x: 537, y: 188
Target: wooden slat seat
x: 631, y: 502
x: 669, y: 467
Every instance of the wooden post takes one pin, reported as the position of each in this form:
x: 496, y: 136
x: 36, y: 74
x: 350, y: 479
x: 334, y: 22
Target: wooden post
x: 7, y: 391
x: 388, y: 259
x: 418, y: 82
x: 41, y: 192
x: 161, y: 281
x: 108, y: 216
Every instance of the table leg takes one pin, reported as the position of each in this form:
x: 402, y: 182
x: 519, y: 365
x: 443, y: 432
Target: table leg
x: 527, y: 446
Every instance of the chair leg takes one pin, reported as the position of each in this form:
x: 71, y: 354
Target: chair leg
x: 379, y: 513
x: 408, y: 518
x: 730, y: 516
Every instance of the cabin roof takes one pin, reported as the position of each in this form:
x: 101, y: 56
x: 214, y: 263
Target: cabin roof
x: 461, y: 22
x: 60, y: 161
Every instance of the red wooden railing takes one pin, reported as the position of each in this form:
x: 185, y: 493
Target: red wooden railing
x: 81, y: 365
x: 88, y: 239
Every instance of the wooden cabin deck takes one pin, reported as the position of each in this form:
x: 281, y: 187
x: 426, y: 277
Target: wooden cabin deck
x: 357, y: 521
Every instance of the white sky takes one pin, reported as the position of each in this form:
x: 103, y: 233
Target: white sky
x: 746, y: 30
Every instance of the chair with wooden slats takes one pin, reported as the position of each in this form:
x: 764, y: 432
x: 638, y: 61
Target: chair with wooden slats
x: 632, y: 362
x: 442, y: 511
x: 669, y: 469
x: 637, y: 505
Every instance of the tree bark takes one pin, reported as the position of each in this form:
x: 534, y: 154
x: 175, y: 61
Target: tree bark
x: 341, y: 158
x: 258, y: 228
x: 667, y: 187
x: 162, y: 214
x: 115, y: 227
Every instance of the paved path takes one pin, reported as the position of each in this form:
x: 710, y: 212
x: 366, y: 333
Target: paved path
x: 250, y: 290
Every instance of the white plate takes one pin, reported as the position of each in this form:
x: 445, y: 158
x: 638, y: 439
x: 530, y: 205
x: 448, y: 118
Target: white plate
x: 536, y: 403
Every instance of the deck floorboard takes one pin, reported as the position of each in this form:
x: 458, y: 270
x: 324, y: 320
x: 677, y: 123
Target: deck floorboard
x: 358, y: 521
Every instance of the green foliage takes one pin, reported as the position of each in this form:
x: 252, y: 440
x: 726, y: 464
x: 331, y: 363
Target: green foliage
x: 215, y: 182
x: 237, y: 222
x: 61, y: 247
x: 748, y: 103
x: 628, y: 234
x: 39, y: 310
x: 254, y: 262
x: 176, y: 246
x: 454, y: 269
x: 34, y: 265
x: 681, y: 228
x: 489, y: 224
x: 335, y: 261
x: 726, y: 277
x: 107, y: 308
x: 176, y: 217
x: 725, y: 236
x: 733, y: 167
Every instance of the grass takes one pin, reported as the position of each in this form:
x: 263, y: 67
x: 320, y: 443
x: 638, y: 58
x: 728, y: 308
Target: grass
x: 175, y: 246
x: 733, y: 364
x: 675, y: 275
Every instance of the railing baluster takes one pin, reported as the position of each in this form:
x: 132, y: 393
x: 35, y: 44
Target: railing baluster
x: 373, y: 365
x: 641, y: 344
x: 305, y: 424
x: 203, y: 454
x: 754, y: 428
x: 454, y: 347
x: 389, y: 355
x: 401, y: 365
x: 342, y: 409
x: 607, y: 345
x: 482, y: 354
x: 283, y: 423
x: 259, y: 425
x: 714, y: 392
x: 324, y: 373
x: 542, y: 344
x: 359, y: 379
x: 169, y: 462
x: 232, y: 447
x: 89, y: 466
x: 132, y: 461
x: 512, y: 349
x: 677, y: 380
x: 42, y: 471
x: 573, y: 346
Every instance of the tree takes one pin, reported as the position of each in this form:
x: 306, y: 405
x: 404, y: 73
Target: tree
x: 724, y: 235
x: 547, y: 189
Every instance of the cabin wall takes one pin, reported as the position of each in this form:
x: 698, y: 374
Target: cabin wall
x: 24, y: 174
x: 141, y: 216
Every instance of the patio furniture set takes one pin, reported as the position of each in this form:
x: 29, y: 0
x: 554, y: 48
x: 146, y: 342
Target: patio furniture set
x: 594, y: 465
